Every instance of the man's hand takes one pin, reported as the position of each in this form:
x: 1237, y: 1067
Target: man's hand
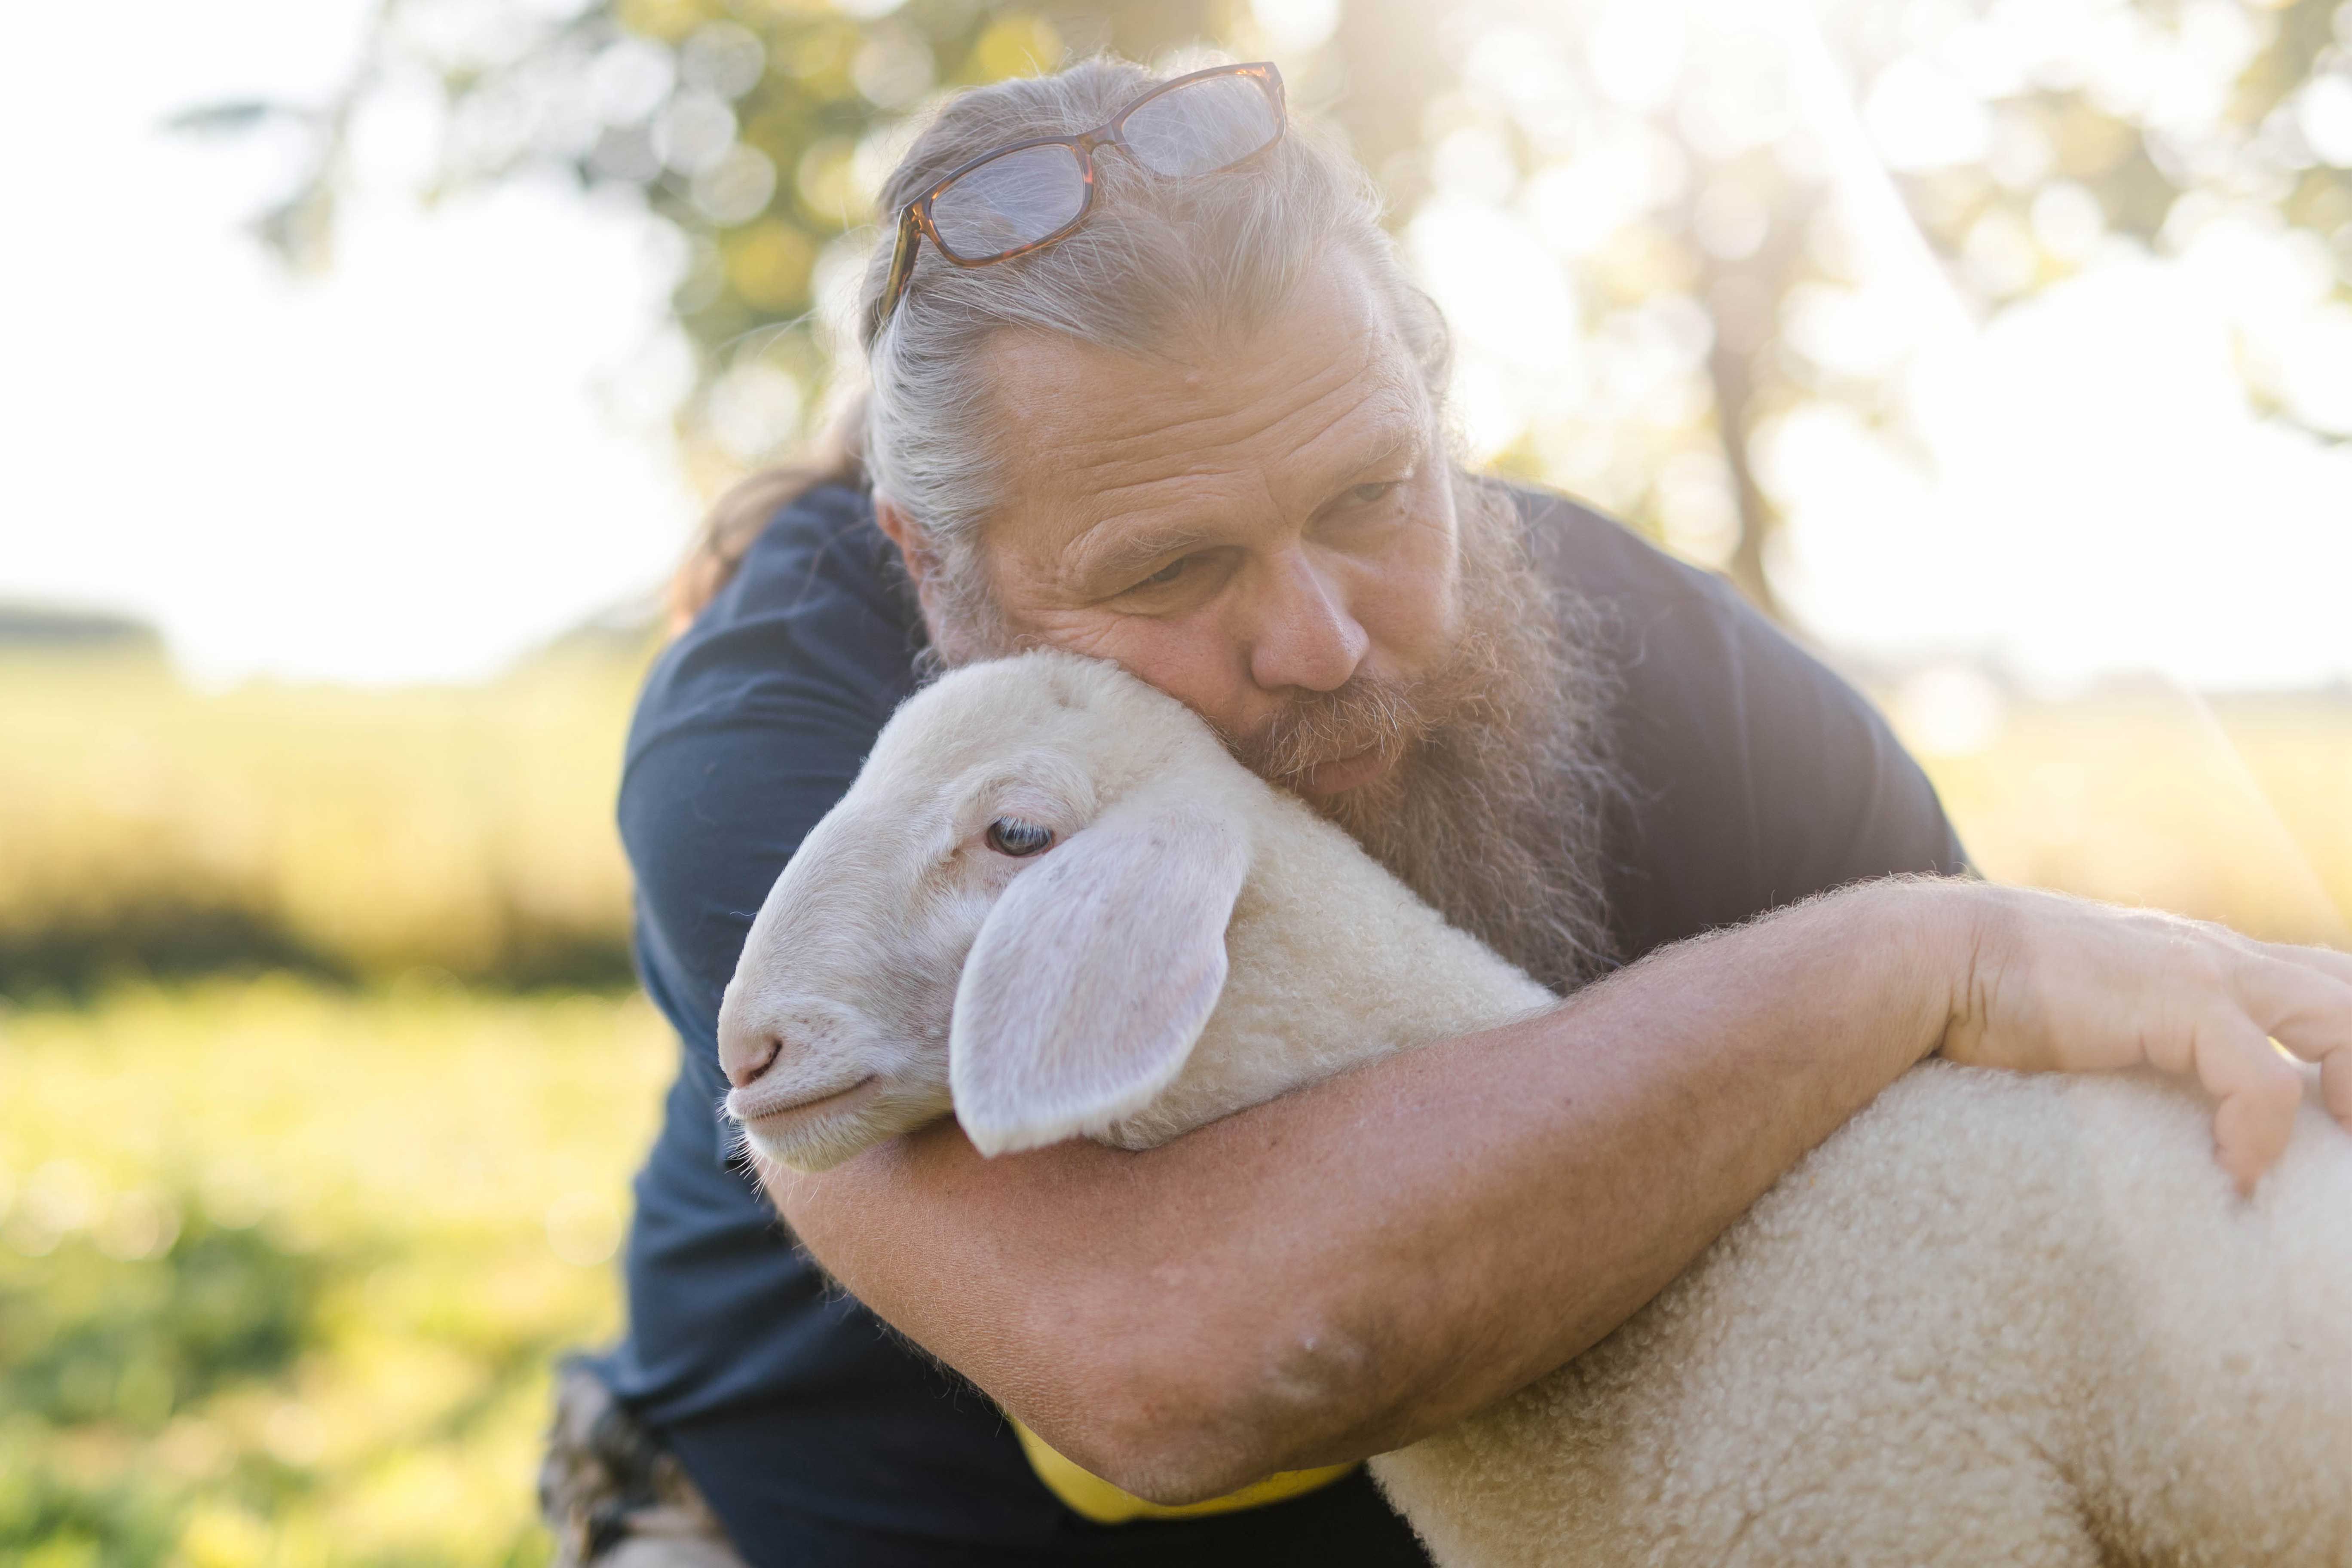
x: 2059, y: 985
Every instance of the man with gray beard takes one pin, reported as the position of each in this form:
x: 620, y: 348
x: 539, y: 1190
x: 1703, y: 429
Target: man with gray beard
x: 1149, y: 384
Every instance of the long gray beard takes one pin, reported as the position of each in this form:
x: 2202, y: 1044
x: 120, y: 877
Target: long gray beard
x: 1496, y: 808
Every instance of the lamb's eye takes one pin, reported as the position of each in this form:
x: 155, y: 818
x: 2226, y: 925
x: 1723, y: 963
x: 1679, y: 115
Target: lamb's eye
x: 1011, y: 836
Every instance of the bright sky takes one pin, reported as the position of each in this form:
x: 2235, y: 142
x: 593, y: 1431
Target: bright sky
x: 2105, y: 500
x: 453, y: 444
x: 445, y: 451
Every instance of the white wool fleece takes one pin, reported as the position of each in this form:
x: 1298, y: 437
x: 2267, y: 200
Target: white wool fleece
x: 1996, y: 1318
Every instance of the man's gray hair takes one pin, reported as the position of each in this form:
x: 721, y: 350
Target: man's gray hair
x: 1160, y: 261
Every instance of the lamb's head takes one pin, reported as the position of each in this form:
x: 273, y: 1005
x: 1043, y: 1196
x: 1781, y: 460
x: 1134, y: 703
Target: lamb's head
x: 1018, y: 911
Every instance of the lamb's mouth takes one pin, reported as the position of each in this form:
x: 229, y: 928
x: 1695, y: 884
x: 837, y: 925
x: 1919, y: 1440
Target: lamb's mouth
x: 780, y: 1119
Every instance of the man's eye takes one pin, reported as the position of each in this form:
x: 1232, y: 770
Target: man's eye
x: 1366, y: 494
x: 1166, y: 574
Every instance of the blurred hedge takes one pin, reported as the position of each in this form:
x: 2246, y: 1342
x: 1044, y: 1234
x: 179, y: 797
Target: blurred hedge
x: 2237, y: 811
x: 148, y: 829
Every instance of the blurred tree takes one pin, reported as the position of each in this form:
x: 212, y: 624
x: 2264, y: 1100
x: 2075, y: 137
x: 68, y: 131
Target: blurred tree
x: 2155, y: 122
x: 1682, y: 152
x: 760, y: 132
x: 1670, y: 200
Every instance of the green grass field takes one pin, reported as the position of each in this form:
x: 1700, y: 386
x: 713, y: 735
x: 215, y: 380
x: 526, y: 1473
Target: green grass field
x: 282, y: 1266
x: 308, y: 1168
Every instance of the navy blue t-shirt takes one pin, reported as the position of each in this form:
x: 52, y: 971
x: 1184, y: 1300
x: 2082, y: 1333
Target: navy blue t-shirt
x: 1755, y: 778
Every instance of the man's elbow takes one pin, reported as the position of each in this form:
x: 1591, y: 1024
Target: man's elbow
x: 1188, y: 1424
x: 1166, y: 1443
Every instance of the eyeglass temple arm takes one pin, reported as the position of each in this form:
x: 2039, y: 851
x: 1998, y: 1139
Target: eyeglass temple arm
x: 902, y: 267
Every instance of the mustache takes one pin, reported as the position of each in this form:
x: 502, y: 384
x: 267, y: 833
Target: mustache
x: 1394, y: 716
x: 1370, y: 712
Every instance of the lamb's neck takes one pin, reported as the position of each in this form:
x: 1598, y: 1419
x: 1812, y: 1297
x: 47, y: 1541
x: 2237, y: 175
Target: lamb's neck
x: 1332, y: 962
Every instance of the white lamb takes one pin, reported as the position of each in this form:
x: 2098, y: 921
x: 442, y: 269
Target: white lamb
x: 1996, y: 1318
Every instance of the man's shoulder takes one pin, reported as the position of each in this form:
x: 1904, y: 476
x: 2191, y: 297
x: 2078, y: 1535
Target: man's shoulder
x: 815, y: 611
x: 1754, y: 775
x: 1679, y: 643
x: 819, y: 552
x: 1584, y: 550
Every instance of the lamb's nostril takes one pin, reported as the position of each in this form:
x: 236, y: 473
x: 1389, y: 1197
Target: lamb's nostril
x: 746, y: 1059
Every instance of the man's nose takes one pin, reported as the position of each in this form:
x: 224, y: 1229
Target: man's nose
x: 1303, y: 636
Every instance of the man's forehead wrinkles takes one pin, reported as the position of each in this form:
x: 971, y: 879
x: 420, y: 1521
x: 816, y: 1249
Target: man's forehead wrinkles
x: 1196, y: 450
x: 1180, y: 435
x: 1133, y: 518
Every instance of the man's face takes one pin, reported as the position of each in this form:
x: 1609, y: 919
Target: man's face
x: 1243, y: 523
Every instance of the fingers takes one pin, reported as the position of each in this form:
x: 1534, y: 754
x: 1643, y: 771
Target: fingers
x: 2258, y: 1093
x: 2305, y: 1009
x: 2308, y: 1009
x: 2336, y: 1086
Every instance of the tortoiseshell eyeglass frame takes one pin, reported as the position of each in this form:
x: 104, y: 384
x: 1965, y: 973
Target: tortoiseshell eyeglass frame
x: 914, y: 223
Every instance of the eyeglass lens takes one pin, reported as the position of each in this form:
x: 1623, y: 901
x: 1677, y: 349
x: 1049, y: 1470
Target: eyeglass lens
x: 1009, y: 202
x: 1025, y: 195
x: 1203, y: 125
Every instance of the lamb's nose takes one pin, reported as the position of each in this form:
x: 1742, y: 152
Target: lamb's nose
x: 744, y: 1053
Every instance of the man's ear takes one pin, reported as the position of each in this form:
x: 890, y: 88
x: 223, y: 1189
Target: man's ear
x: 922, y: 567
x: 1092, y: 977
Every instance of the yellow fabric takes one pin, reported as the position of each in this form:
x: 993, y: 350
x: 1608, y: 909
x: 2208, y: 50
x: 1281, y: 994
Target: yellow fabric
x: 1095, y: 1498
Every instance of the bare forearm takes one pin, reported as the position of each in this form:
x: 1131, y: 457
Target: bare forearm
x: 1627, y: 1128
x: 1349, y: 1268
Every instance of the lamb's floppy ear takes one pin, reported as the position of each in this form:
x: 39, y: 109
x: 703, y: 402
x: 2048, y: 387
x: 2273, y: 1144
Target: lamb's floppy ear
x: 1092, y: 977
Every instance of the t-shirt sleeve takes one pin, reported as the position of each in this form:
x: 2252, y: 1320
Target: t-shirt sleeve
x: 752, y: 724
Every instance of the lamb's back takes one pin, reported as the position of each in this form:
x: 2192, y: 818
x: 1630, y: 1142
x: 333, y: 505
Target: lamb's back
x: 1978, y: 1324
